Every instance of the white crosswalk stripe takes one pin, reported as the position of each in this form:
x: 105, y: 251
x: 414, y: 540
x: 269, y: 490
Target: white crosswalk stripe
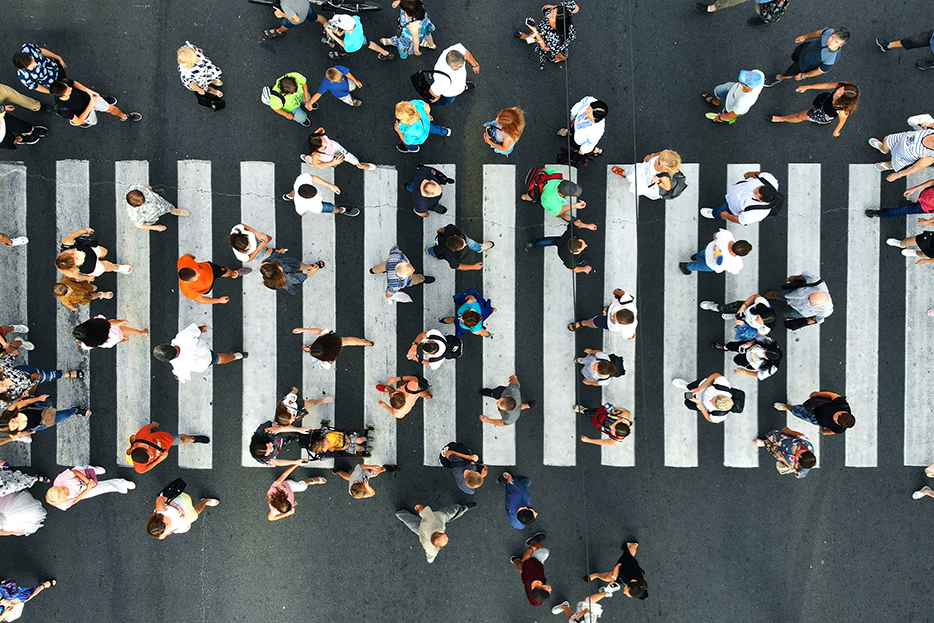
x: 802, y: 362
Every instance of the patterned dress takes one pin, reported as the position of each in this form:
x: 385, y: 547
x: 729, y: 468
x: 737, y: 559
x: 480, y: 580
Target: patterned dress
x: 81, y: 292
x: 771, y: 12
x: 403, y: 41
x: 906, y: 148
x: 12, y: 480
x: 202, y: 73
x: 784, y: 446
x: 555, y: 43
x: 292, y: 269
x: 21, y: 380
x: 152, y: 209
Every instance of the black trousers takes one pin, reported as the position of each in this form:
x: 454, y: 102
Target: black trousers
x: 14, y: 127
x: 918, y: 41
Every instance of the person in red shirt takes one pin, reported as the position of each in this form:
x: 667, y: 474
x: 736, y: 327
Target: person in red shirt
x: 149, y: 447
x: 195, y: 279
x: 532, y: 570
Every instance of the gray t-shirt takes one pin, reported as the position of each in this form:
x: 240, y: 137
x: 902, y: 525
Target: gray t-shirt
x: 510, y: 417
x: 295, y: 7
x: 459, y: 477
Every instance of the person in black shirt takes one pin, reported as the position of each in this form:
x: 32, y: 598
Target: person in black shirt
x: 427, y: 190
x: 828, y: 410
x: 79, y: 104
x: 627, y: 571
x: 570, y: 247
x: 268, y: 440
x: 837, y: 104
x: 452, y: 245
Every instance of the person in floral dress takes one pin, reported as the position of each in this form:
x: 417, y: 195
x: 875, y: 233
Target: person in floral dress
x: 794, y: 452
x: 144, y: 207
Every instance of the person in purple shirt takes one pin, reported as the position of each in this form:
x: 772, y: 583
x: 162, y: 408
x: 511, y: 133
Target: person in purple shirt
x: 519, y: 511
x: 339, y: 82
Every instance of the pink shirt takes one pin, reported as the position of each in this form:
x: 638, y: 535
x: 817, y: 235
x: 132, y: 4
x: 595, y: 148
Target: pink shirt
x: 280, y: 486
x: 74, y: 485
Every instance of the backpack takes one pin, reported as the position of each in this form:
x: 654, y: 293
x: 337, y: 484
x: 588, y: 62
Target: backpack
x: 267, y: 93
x: 678, y: 184
x: 422, y: 82
x: 739, y: 397
x: 454, y: 461
x: 455, y: 347
x: 775, y: 205
x: 440, y: 176
x: 617, y: 361
x: 211, y: 101
x: 535, y: 182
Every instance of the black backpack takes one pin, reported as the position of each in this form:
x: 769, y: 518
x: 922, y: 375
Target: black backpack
x: 454, y: 461
x: 775, y: 205
x: 422, y: 82
x: 617, y: 361
x: 739, y: 398
x: 678, y: 184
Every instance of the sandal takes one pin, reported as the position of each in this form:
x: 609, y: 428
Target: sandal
x: 562, y: 132
x: 319, y: 264
x: 357, y: 102
x: 876, y: 143
x: 334, y: 54
x: 883, y: 166
x: 273, y: 34
x: 707, y: 97
x: 42, y: 479
x: 74, y: 374
x: 578, y: 409
x: 574, y: 326
x: 87, y: 412
x: 50, y: 583
x: 107, y: 295
x: 383, y: 57
x: 619, y: 171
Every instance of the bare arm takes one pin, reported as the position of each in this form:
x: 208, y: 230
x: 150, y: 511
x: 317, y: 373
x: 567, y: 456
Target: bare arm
x: 286, y: 473
x: 70, y: 238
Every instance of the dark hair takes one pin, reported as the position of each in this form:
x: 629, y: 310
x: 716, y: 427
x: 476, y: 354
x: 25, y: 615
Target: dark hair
x: 600, y: 109
x: 279, y: 500
x: 622, y: 430
x: 239, y: 242
x: 846, y: 420
x: 773, y: 353
x: 92, y: 332
x: 471, y: 318
x: 59, y: 288
x: 135, y: 198
x: 139, y: 455
x: 258, y: 445
x: 843, y: 33
x: 288, y: 85
x: 575, y: 245
x: 765, y: 312
x: 186, y: 274
x: 509, y: 403
x: 7, y: 415
x: 57, y: 88
x: 455, y: 243
x: 562, y: 22
x: 315, y: 141
x: 767, y: 193
x: 327, y: 347
x: 742, y: 248
x: 540, y: 594
x: 283, y: 415
x: 155, y: 525
x: 307, y: 191
x: 21, y: 60
x: 637, y: 589
x: 807, y: 460
x: 164, y: 352
x: 430, y: 346
x: 413, y: 8
x: 273, y: 276
x: 606, y: 368
x: 397, y: 400
x: 525, y: 516
x: 624, y: 316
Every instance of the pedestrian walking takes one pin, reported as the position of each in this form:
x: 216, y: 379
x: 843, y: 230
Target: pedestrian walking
x: 81, y: 483
x: 150, y: 446
x: 281, y: 494
x: 803, y: 300
x: 14, y: 131
x: 465, y: 466
x: 288, y: 411
x: 288, y: 96
x: 827, y: 410
x: 547, y: 188
x: 99, y: 332
x: 713, y: 397
x: 73, y: 294
x: 735, y: 99
x: 924, y: 204
x: 432, y: 348
x: 767, y: 11
x: 27, y: 416
x: 619, y: 316
x: 921, y: 40
x: 325, y: 152
x: 627, y: 572
x: 280, y: 272
x: 268, y: 440
x: 519, y: 511
x: 37, y: 68
x: 292, y: 13
x: 358, y: 480
x: 11, y: 97
x: 189, y: 353
x: 307, y: 197
x: 837, y: 103
x: 758, y: 356
x: 724, y: 254
x: 246, y: 243
x: 452, y: 246
x: 614, y: 422
x: 82, y: 258
x: 328, y: 345
x: 197, y: 72
x: 656, y: 177
x: 427, y: 189
x: 13, y: 480
x: 597, y: 367
x: 792, y: 450
x: 17, y: 241
x: 20, y: 515
x: 79, y: 105
x: 176, y: 514
x: 413, y: 30
x: 587, y: 610
x: 471, y: 310
x: 18, y: 382
x: 431, y: 526
x: 816, y: 53
x: 924, y: 253
x: 554, y: 33
x: 450, y: 74
x: 531, y: 566
x: 509, y: 403
x: 414, y: 124
x: 144, y: 206
x: 404, y: 392
x: 749, y: 200
x: 12, y: 346
x: 196, y: 279
x: 586, y: 127
x: 13, y: 598
x: 400, y: 274
x: 504, y: 131
x: 339, y: 82
x: 751, y: 317
x: 347, y: 32
x: 910, y: 151
x: 570, y: 248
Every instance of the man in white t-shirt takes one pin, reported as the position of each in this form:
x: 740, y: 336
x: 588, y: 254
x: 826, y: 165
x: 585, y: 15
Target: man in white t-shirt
x: 453, y: 65
x: 307, y: 198
x: 189, y: 353
x: 722, y: 254
x: 749, y: 200
x: 736, y: 97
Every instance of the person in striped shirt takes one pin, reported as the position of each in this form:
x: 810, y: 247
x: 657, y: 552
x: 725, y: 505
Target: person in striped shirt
x: 400, y: 273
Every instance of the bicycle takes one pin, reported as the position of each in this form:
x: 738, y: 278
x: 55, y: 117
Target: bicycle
x: 338, y: 6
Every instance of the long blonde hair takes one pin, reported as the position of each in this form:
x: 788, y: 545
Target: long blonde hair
x: 406, y: 113
x: 511, y: 122
x: 669, y: 161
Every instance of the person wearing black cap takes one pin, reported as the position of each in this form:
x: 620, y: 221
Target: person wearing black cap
x: 587, y: 121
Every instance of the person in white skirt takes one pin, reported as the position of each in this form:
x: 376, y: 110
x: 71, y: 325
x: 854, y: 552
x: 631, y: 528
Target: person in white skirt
x: 80, y: 482
x: 20, y: 514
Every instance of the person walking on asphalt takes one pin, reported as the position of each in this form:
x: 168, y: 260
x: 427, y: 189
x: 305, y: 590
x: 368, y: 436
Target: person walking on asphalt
x: 532, y: 569
x: 431, y: 526
x: 519, y: 511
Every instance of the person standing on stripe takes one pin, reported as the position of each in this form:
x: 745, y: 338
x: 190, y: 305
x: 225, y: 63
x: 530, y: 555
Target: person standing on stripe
x: 923, y: 205
x: 546, y: 188
x: 724, y: 254
x: 519, y: 511
x: 830, y: 411
x: 427, y: 189
x: 149, y: 446
x: 532, y: 569
x: 196, y: 279
x: 400, y: 274
x: 598, y: 367
x: 188, y: 353
x: 803, y: 300
x: 749, y: 200
x: 452, y: 246
x: 508, y: 402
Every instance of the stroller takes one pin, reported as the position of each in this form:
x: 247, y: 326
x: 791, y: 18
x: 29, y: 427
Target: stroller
x: 349, y: 442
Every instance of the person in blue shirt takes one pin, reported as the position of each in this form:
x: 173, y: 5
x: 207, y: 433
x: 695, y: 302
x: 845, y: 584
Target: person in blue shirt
x: 813, y: 58
x: 923, y: 40
x: 519, y: 511
x: 339, y: 82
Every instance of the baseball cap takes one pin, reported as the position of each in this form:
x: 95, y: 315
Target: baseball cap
x: 568, y: 188
x: 752, y: 78
x: 344, y: 22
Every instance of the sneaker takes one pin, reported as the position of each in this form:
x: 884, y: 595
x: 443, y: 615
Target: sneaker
x: 405, y: 150
x: 779, y: 406
x: 683, y: 267
x: 909, y: 253
x: 470, y: 504
x: 680, y: 384
x: 883, y: 44
x: 26, y: 439
x: 706, y: 212
x: 243, y: 271
x: 448, y: 132
x: 19, y: 241
x: 285, y: 197
x: 389, y: 468
x: 728, y: 316
x: 486, y: 246
x: 132, y: 116
x: 538, y: 537
x: 917, y: 495
x: 428, y: 279
x: 130, y: 484
x: 19, y: 328
x: 718, y: 345
x: 306, y: 123
x: 41, y: 130
x: 771, y: 82
x: 514, y: 559
x: 700, y: 7
x: 112, y: 101
x: 201, y: 438
x: 244, y: 353
x: 559, y: 609
x: 893, y: 242
x: 471, y: 85
x: 924, y: 65
x: 30, y: 139
x: 709, y: 306
x: 351, y: 212
x: 872, y: 213
x: 24, y: 344
x: 409, y: 187
x: 441, y: 210
x: 531, y: 403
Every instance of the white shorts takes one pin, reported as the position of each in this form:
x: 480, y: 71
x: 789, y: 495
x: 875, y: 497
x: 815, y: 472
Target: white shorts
x: 595, y: 611
x: 102, y: 106
x: 541, y: 554
x: 297, y: 485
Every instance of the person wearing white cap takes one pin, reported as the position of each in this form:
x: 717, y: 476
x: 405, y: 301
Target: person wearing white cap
x: 735, y: 97
x: 347, y: 32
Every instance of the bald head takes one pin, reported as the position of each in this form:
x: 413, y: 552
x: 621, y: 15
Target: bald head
x: 439, y: 539
x: 818, y: 298
x: 404, y: 269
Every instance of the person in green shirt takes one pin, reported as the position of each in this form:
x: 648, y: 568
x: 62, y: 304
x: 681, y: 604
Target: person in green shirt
x: 287, y: 97
x: 554, y: 193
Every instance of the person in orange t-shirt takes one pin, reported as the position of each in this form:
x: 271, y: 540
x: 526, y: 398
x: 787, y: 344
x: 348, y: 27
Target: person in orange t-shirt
x: 195, y: 279
x: 149, y: 447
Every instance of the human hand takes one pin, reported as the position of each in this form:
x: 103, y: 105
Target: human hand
x: 335, y: 189
x: 298, y: 330
x: 891, y: 177
x: 926, y: 221
x: 224, y: 299
x: 476, y: 68
x: 801, y: 89
x: 800, y: 39
x: 798, y: 77
x: 42, y: 397
x: 9, y: 108
x: 204, y: 328
x: 88, y: 230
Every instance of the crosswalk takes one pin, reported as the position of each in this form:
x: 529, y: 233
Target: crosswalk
x: 385, y: 212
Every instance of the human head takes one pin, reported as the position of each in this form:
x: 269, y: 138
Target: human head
x: 165, y: 352
x: 155, y: 525
x: 279, y: 500
x: 844, y: 419
x: 669, y: 161
x: 742, y: 248
x: 562, y: 20
x: 413, y: 8
x: 765, y: 313
x: 21, y: 60
x: 751, y: 79
x: 432, y: 189
x: 511, y: 122
x: 405, y: 113
x: 8, y: 415
x: 320, y: 446
x: 818, y: 297
x: 139, y: 455
x: 239, y: 242
x: 327, y: 347
x: 404, y: 270
x: 187, y: 274
x: 723, y: 403
x: 273, y: 277
x: 473, y: 480
x: 576, y: 245
x: 67, y: 260
x: 455, y: 59
x: 635, y: 589
x: 135, y: 198
x: 540, y: 593
x: 599, y: 109
x: 59, y: 89
x: 471, y: 318
x: 506, y: 403
x: 526, y: 515
x: 622, y: 430
x: 307, y: 191
x: 315, y: 141
x: 397, y: 400
x: 846, y: 97
x: 283, y: 415
x: 430, y: 347
x: 287, y: 85
x: 455, y: 243
x: 605, y: 368
x: 60, y: 289
x: 567, y: 188
x: 766, y: 193
x: 807, y: 460
x: 56, y: 495
x: 624, y: 316
x: 360, y: 490
x: 186, y: 56
x: 333, y: 74
x: 259, y: 447
x: 840, y: 36
x: 439, y: 539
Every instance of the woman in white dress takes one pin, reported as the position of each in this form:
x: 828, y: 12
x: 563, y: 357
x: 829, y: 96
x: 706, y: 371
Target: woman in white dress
x: 649, y: 177
x: 20, y: 514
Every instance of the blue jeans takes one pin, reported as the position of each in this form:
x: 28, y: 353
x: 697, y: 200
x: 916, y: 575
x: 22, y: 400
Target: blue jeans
x: 299, y: 114
x: 722, y: 90
x: 444, y: 100
x: 803, y: 414
x: 718, y: 212
x: 548, y: 241
x: 472, y: 244
x: 911, y: 208
x: 700, y: 264
x: 60, y: 415
x: 433, y: 128
x: 44, y: 375
x: 311, y: 16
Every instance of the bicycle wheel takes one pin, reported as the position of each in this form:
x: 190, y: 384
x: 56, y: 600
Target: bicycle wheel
x: 352, y: 6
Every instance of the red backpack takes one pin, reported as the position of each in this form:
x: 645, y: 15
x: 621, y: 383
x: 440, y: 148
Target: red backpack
x: 535, y: 181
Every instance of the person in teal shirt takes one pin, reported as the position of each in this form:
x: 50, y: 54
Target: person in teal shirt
x: 352, y: 38
x: 413, y: 125
x: 287, y: 97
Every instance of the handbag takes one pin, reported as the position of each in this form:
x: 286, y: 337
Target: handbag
x: 678, y: 185
x: 422, y: 82
x: 173, y: 489
x: 211, y: 101
x: 86, y: 239
x: 48, y: 417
